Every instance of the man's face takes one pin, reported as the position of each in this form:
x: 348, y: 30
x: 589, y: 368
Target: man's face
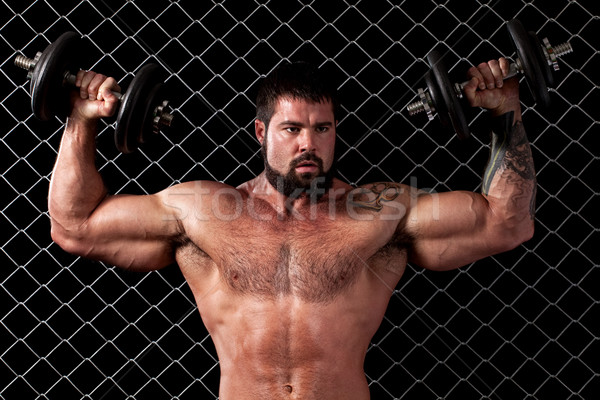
x: 299, y: 146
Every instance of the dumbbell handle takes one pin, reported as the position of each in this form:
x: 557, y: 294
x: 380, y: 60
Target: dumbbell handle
x: 68, y: 79
x: 513, y: 70
x: 423, y: 103
x: 162, y: 116
x: 555, y: 52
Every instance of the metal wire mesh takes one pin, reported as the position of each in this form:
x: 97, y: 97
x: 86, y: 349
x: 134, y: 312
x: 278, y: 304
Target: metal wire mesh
x: 513, y: 326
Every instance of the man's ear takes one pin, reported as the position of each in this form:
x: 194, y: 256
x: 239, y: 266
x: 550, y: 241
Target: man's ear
x: 260, y: 130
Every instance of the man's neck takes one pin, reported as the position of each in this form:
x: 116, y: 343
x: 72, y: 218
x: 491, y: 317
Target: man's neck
x: 299, y: 201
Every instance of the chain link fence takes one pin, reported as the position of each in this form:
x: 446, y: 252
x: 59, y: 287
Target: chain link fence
x: 519, y: 325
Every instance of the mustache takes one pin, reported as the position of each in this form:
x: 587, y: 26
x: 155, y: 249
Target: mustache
x: 306, y: 157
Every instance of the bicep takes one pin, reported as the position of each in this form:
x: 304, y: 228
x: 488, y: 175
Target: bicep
x: 133, y: 232
x: 452, y: 229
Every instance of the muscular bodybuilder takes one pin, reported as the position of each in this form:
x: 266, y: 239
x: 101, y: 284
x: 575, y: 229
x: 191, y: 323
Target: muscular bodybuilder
x: 292, y: 271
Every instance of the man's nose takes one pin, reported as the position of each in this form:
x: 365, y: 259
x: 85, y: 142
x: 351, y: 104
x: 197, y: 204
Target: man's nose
x: 307, y: 142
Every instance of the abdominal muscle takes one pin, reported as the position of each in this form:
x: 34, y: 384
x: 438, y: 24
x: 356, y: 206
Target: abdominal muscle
x: 285, y: 348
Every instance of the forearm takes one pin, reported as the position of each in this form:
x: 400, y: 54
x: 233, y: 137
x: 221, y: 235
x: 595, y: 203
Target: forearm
x: 76, y: 187
x: 509, y: 182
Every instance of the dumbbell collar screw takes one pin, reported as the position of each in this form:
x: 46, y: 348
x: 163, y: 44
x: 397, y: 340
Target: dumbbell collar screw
x: 162, y: 117
x: 423, y: 104
x: 27, y: 63
x: 554, y: 52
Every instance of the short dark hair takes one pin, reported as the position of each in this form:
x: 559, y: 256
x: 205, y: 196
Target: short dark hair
x: 298, y: 80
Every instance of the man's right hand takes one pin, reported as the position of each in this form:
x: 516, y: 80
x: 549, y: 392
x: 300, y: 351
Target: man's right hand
x: 487, y: 88
x: 94, y: 99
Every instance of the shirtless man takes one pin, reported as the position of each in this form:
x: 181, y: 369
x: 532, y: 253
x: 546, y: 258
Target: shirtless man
x: 292, y: 271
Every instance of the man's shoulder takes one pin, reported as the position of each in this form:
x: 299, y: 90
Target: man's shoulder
x: 377, y: 195
x: 383, y: 186
x: 199, y: 195
x: 199, y: 187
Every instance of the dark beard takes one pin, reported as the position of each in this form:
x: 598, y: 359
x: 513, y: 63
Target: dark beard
x: 294, y: 185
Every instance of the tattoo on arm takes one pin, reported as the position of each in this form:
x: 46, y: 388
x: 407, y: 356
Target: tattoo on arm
x: 373, y: 197
x: 510, y: 151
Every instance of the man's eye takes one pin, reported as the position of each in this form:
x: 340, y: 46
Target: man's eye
x: 292, y: 129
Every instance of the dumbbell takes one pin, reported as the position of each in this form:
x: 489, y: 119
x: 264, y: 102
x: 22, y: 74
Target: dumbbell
x: 143, y: 109
x: 536, y: 60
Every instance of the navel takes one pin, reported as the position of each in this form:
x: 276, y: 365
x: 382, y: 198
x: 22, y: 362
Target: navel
x: 288, y: 388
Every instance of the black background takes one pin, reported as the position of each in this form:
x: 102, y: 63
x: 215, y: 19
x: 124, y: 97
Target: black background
x: 514, y: 326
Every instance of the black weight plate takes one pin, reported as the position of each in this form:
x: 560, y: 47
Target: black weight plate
x: 450, y: 100
x: 531, y: 67
x: 49, y: 96
x: 543, y: 61
x: 134, y: 119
